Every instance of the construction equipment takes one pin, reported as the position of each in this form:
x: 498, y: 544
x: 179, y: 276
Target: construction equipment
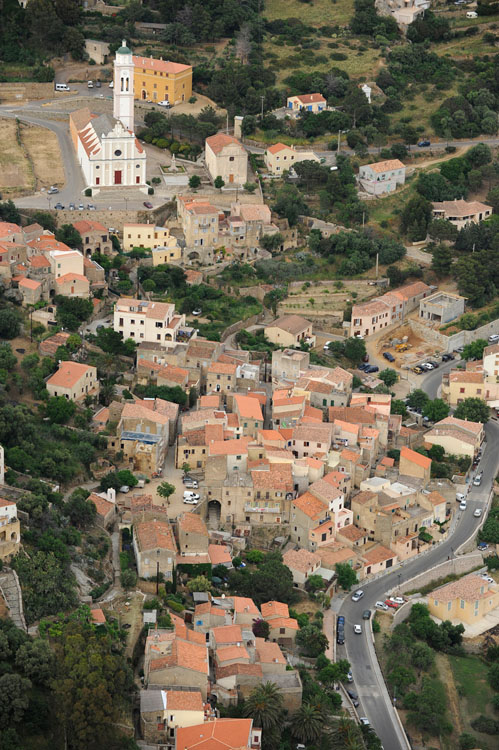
x: 402, y: 347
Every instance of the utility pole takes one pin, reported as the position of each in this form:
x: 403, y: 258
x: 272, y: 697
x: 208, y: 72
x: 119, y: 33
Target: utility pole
x: 377, y: 265
x: 227, y: 122
x: 263, y: 99
x: 339, y: 142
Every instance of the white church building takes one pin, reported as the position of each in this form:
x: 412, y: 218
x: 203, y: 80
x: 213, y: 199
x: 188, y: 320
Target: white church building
x: 108, y: 152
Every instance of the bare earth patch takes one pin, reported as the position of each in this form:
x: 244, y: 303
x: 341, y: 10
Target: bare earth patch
x: 15, y: 173
x: 43, y: 148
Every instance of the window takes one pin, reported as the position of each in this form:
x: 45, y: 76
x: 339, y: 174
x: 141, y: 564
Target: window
x: 117, y: 152
x: 461, y: 604
x: 231, y: 158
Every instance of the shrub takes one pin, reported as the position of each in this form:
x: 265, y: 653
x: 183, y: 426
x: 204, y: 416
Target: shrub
x: 150, y: 191
x: 175, y: 606
x: 88, y: 192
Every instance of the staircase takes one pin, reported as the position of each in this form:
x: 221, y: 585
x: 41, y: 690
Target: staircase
x: 10, y: 588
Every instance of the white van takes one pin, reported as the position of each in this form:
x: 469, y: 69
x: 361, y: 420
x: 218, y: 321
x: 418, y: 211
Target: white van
x: 62, y: 87
x: 471, y: 14
x: 90, y: 84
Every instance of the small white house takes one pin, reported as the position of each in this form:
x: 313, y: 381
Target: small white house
x: 382, y: 176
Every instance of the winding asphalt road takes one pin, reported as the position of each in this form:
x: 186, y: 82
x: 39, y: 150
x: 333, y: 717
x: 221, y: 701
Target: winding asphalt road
x: 375, y: 702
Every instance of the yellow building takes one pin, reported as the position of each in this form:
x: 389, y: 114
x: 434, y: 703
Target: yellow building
x: 468, y: 600
x: 147, y: 236
x: 10, y: 530
x: 161, y: 80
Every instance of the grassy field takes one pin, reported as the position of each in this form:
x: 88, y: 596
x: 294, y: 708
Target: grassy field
x: 470, y: 674
x: 15, y: 172
x: 315, y: 13
x: 43, y: 148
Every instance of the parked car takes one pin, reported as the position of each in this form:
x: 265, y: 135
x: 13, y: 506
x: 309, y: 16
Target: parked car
x: 59, y: 207
x: 390, y: 603
x: 483, y: 546
x: 389, y: 356
x: 433, y: 363
x: 191, y: 485
x: 366, y: 614
x: 52, y: 190
x: 191, y: 495
x: 81, y: 207
x: 486, y: 577
x: 90, y: 207
x: 357, y: 595
x: 447, y: 357
x: 381, y: 605
x: 148, y: 204
x: 349, y: 676
x: 71, y: 206
x: 353, y: 697
x: 493, y: 338
x: 397, y: 599
x: 111, y: 85
x: 363, y: 366
x: 460, y: 497
x: 326, y: 346
x: 477, y: 481
x: 371, y: 368
x: 365, y: 721
x: 190, y: 501
x: 125, y: 488
x: 477, y: 512
x: 98, y: 84
x: 164, y: 103
x: 427, y: 366
x: 424, y: 144
x: 357, y: 629
x: 90, y: 85
x: 462, y: 505
x: 418, y: 370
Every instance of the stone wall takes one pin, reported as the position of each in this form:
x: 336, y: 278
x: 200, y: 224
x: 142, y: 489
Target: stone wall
x: 450, y: 343
x: 16, y: 92
x: 456, y: 566
x: 240, y: 325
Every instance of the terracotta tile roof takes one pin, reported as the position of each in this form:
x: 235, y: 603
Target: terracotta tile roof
x: 260, y: 397
x: 377, y: 555
x: 5, y: 503
x: 460, y: 209
x: 364, y: 497
x: 284, y: 622
x: 39, y: 261
x: 183, y: 633
x: 219, y: 554
x: 222, y: 368
x: 386, y: 461
x: 67, y: 278
x: 184, y: 700
x: 310, y: 505
x: 415, y: 458
x: 464, y: 424
x: 276, y: 477
x: 102, y: 505
x: 219, y: 141
x: 278, y: 147
x: 293, y: 324
x: 229, y: 447
x: 274, y: 609
x: 270, y: 436
x: 138, y: 411
x: 411, y: 290
x: 386, y: 166
x: 228, y: 653
x: 69, y: 373
x: 314, y: 433
x: 470, y: 588
x: 191, y: 656
x: 243, y: 604
x: 192, y: 523
x: 248, y: 408
x: 87, y: 225
x: 436, y: 498
x: 219, y: 734
x: 155, y: 534
x: 309, y: 98
x: 239, y: 668
x: 98, y: 616
x: 268, y: 652
x: 164, y: 66
x: 227, y: 634
x: 212, y: 401
x: 349, y: 455
x: 301, y: 560
x: 29, y: 284
x: 335, y: 553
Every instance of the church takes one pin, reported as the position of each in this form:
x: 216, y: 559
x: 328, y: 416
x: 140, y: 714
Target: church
x: 107, y: 150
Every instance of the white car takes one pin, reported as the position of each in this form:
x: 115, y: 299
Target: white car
x: 357, y: 595
x: 197, y: 311
x: 164, y: 103
x: 382, y: 605
x: 365, y: 721
x: 125, y: 488
x: 477, y: 480
x: 397, y: 599
x: 191, y: 495
x: 477, y: 513
x: 487, y: 578
x: 111, y: 85
x: 190, y: 501
x: 427, y: 366
x: 326, y: 345
x: 357, y: 629
x: 462, y: 505
x: 460, y: 497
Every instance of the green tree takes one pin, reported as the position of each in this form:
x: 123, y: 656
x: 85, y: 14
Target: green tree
x: 346, y: 576
x: 194, y: 181
x: 9, y: 324
x: 398, y: 407
x: 308, y: 723
x: 388, y: 376
x: 354, y: 350
x: 165, y: 489
x: 474, y: 350
x: 200, y: 583
x: 45, y: 219
x: 14, y: 699
x: 415, y: 218
x: 493, y: 676
x: 128, y: 579
x: 417, y: 399
x: 473, y: 409
x: 314, y: 583
x: 186, y: 467
x: 265, y: 706
x: 493, y: 198
x: 441, y: 261
x: 59, y: 409
x: 422, y: 657
x: 436, y: 410
x: 80, y: 511
x: 260, y: 628
x: 35, y: 659
x: 401, y: 678
x: 69, y: 235
x: 219, y: 183
x: 442, y: 230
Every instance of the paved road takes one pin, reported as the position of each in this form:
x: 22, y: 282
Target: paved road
x: 344, y: 149
x: 373, y: 695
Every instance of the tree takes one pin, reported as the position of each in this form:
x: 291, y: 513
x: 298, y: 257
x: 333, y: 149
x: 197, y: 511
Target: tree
x: 9, y: 324
x: 128, y: 579
x: 388, y: 376
x: 314, y: 583
x: 346, y: 576
x: 260, y: 628
x: 45, y: 219
x: 354, y: 350
x: 422, y: 657
x: 416, y: 217
x: 441, y: 261
x: 80, y: 511
x: 493, y: 676
x: 474, y: 350
x: 441, y: 230
x: 308, y: 723
x: 436, y: 410
x: 14, y: 699
x: 165, y: 489
x: 9, y: 212
x: 69, y: 235
x: 186, y: 468
x: 417, y: 399
x: 401, y: 678
x: 200, y: 583
x: 493, y: 198
x: 194, y: 181
x: 250, y: 187
x: 35, y: 659
x: 398, y: 407
x: 219, y: 183
x: 473, y: 409
x: 59, y: 409
x: 265, y: 706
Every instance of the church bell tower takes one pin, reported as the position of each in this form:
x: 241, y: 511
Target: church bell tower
x: 123, y: 101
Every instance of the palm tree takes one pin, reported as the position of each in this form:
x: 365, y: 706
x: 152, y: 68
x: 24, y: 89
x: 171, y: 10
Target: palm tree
x: 265, y: 707
x: 307, y: 723
x: 344, y: 734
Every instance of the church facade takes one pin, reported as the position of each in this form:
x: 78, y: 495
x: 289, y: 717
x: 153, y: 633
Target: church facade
x: 108, y: 152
